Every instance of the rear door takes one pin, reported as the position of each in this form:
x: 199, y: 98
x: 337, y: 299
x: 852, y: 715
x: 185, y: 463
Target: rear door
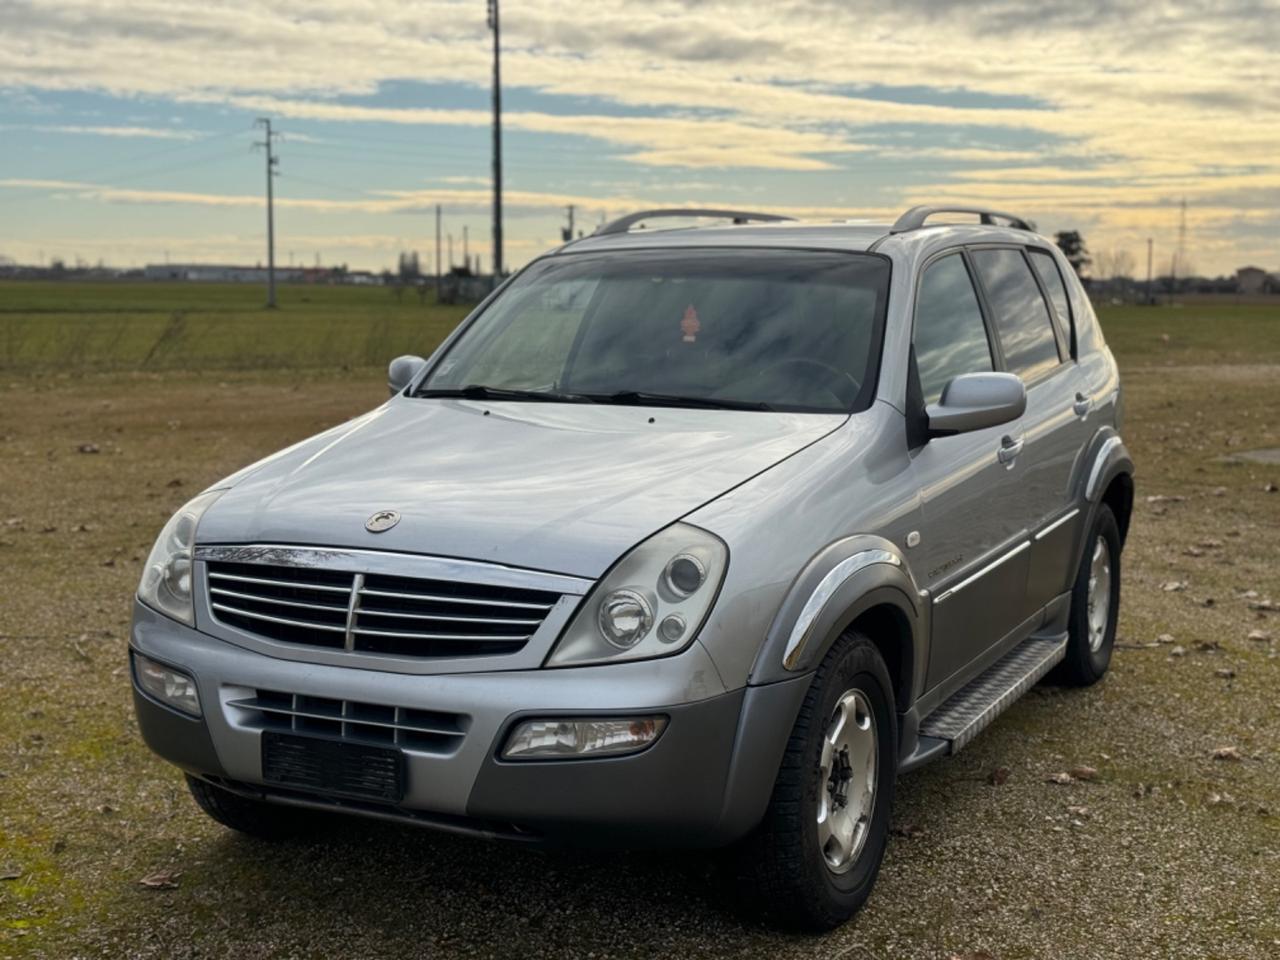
x: 1036, y: 346
x: 972, y: 554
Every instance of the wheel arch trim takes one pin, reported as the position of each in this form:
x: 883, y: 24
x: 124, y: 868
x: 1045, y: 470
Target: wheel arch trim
x: 1111, y: 457
x: 840, y: 583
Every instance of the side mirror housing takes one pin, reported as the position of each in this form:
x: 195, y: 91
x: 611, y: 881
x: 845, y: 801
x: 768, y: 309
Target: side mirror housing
x: 402, y: 371
x: 975, y: 401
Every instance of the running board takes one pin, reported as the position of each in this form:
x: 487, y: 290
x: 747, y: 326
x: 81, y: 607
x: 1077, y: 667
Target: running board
x: 987, y: 696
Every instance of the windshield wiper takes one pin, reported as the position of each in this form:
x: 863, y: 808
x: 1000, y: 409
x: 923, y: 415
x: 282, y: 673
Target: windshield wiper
x: 478, y: 391
x: 639, y: 398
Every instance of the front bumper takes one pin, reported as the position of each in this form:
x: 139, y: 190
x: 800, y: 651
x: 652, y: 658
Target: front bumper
x: 706, y: 781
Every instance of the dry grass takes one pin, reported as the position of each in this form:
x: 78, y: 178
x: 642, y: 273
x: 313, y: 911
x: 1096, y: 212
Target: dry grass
x: 1168, y: 853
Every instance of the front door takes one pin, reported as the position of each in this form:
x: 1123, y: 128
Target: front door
x: 972, y: 551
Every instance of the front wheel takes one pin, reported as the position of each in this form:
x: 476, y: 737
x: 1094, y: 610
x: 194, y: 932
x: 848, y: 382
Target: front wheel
x: 814, y: 859
x: 257, y: 818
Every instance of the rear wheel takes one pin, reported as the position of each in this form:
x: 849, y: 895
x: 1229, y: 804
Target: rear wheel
x: 1095, y: 605
x: 814, y: 859
x: 257, y: 818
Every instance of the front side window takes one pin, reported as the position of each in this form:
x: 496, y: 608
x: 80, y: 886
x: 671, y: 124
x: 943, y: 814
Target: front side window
x: 950, y: 337
x: 1021, y: 315
x: 763, y: 329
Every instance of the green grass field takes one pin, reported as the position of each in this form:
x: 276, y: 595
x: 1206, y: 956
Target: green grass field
x: 206, y: 326
x: 1167, y: 852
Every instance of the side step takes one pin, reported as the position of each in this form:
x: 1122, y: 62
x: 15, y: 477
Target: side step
x: 985, y: 697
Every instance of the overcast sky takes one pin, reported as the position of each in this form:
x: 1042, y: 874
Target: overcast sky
x: 125, y: 125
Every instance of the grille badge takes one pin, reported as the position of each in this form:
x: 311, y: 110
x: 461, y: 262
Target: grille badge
x: 382, y: 521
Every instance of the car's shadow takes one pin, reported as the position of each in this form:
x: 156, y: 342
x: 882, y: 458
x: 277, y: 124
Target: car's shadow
x: 387, y: 887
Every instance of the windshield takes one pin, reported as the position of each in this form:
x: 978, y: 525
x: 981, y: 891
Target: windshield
x: 755, y: 329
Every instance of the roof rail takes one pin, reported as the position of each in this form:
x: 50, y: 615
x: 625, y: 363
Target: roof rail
x: 914, y: 218
x: 623, y: 224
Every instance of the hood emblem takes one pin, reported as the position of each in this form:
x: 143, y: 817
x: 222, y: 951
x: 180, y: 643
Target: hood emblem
x: 382, y: 521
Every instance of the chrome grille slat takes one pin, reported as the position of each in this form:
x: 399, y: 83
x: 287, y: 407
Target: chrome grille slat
x: 295, y: 585
x: 444, y: 598
x: 366, y: 612
x: 224, y: 592
x: 381, y: 614
x: 270, y: 619
x: 365, y: 632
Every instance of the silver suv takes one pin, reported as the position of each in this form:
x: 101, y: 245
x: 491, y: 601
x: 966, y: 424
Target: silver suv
x: 691, y: 536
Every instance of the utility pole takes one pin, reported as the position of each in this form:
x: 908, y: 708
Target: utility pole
x: 1150, y: 300
x: 1182, y: 248
x: 438, y: 274
x: 267, y: 142
x: 466, y: 246
x: 567, y: 232
x: 451, y: 253
x: 495, y: 26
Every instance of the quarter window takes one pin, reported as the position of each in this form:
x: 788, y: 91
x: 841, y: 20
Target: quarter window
x: 950, y: 337
x: 1051, y: 277
x: 1021, y: 315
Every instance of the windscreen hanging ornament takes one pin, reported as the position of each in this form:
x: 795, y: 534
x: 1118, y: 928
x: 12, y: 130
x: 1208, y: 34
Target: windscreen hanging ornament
x: 690, y: 325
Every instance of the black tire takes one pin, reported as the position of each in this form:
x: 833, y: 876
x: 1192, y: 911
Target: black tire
x: 257, y: 818
x: 1084, y: 665
x: 780, y: 868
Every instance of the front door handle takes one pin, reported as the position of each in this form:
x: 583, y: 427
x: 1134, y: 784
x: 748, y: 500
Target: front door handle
x: 1083, y: 405
x: 1010, y: 447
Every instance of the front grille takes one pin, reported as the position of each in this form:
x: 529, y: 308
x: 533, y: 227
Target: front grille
x: 375, y: 613
x: 426, y: 731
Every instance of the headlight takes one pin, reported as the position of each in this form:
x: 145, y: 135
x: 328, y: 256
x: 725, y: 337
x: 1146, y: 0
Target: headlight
x: 651, y: 604
x: 166, y: 579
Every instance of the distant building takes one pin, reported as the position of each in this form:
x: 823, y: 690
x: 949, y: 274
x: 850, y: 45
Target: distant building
x: 219, y: 273
x: 1251, y: 280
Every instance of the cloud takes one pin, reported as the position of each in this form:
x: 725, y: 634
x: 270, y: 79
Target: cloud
x: 656, y: 141
x: 1106, y: 94
x: 144, y: 133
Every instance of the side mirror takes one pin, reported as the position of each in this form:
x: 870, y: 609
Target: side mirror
x: 975, y: 401
x: 402, y: 371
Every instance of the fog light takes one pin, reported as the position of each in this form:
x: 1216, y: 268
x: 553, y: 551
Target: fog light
x: 171, y: 687
x: 567, y: 739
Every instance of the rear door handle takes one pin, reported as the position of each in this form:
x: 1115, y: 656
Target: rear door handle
x: 1010, y: 447
x: 1083, y: 405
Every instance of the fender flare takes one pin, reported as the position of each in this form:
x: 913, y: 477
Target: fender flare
x: 843, y: 581
x: 1105, y: 459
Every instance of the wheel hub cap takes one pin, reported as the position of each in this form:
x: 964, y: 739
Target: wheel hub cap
x: 848, y: 781
x: 1099, y: 594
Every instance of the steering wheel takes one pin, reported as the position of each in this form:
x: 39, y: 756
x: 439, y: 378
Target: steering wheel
x: 833, y: 376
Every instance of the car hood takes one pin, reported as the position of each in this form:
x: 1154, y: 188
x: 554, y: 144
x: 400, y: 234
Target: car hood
x: 560, y: 487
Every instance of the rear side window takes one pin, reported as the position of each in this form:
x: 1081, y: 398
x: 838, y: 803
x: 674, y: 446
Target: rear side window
x: 1051, y: 277
x: 950, y: 337
x: 1021, y: 315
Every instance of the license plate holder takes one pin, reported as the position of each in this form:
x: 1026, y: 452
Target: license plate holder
x: 333, y: 767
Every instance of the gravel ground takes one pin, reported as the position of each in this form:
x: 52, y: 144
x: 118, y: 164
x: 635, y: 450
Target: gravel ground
x: 1167, y: 852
